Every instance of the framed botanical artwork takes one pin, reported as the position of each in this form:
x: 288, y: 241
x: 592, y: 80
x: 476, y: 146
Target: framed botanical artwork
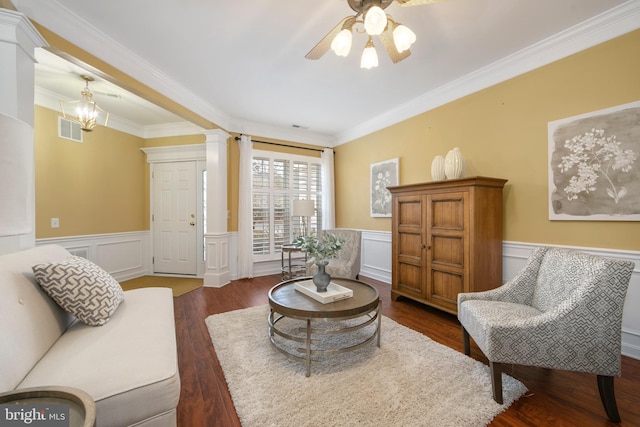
x: 594, y: 165
x: 383, y: 174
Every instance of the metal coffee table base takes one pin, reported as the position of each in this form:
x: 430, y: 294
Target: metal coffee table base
x: 309, y: 335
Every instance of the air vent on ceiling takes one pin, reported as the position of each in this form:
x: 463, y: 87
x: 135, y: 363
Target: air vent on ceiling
x: 69, y: 129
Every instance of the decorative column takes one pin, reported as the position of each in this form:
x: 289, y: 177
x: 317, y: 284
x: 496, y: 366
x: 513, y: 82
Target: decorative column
x: 18, y: 40
x: 217, y: 273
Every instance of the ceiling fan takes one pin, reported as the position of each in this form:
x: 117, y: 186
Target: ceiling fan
x: 395, y: 37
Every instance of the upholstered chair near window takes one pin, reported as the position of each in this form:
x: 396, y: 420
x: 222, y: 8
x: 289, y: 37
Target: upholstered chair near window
x: 563, y: 310
x: 347, y: 264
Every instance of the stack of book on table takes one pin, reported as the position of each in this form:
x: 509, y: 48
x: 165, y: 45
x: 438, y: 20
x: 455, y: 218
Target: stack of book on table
x: 334, y: 291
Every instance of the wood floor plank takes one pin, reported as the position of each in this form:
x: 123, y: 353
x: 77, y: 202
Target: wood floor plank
x: 555, y: 398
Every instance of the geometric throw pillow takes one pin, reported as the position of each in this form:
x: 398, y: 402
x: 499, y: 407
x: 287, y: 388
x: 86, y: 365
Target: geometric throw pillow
x: 81, y: 288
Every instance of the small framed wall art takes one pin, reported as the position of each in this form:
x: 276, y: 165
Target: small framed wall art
x: 383, y: 174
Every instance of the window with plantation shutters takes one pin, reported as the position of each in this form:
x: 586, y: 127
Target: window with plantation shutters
x: 278, y: 179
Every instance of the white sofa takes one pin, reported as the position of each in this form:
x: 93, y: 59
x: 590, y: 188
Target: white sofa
x: 128, y: 366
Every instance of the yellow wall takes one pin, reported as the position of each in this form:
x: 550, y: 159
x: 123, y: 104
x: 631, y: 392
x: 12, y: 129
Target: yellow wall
x: 101, y: 186
x: 168, y: 141
x: 94, y: 187
x: 502, y: 132
x: 81, y: 57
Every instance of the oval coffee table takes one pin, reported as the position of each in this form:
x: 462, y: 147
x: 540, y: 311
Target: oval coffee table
x: 286, y: 302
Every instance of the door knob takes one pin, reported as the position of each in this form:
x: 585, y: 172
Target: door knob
x: 192, y: 223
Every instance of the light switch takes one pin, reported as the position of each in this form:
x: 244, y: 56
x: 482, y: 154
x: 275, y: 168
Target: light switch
x: 55, y: 222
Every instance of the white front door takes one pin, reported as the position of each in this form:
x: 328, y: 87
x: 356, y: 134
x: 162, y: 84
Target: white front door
x: 174, y: 218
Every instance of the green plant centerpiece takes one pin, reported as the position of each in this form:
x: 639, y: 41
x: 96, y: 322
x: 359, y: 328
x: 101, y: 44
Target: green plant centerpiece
x: 321, y: 250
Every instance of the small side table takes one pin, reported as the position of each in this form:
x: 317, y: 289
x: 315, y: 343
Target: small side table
x: 292, y: 268
x: 81, y: 407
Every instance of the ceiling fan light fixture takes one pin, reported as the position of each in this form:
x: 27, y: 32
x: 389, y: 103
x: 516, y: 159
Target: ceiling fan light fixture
x: 396, y: 38
x: 341, y: 44
x: 403, y: 38
x: 85, y: 111
x: 375, y: 21
x: 369, y: 58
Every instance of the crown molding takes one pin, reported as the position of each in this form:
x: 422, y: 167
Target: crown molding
x: 172, y: 129
x: 175, y: 153
x: 25, y: 34
x: 606, y: 26
x: 599, y: 29
x: 62, y: 21
x: 278, y: 132
x: 51, y: 100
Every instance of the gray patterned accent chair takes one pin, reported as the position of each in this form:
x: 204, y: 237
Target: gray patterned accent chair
x: 563, y: 310
x: 347, y: 264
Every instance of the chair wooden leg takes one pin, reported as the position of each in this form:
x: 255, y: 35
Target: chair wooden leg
x: 465, y: 341
x: 608, y: 397
x: 496, y: 381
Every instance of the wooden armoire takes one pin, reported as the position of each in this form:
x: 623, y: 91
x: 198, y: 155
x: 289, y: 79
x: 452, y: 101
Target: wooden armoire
x: 446, y: 239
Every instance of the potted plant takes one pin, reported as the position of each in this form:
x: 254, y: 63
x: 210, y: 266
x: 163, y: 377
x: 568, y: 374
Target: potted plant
x: 321, y: 250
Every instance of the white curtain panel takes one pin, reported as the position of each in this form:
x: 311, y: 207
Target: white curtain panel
x: 328, y: 190
x: 245, y: 238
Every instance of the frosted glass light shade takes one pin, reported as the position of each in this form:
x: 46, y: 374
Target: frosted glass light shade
x: 375, y: 21
x: 403, y: 38
x: 369, y: 56
x: 341, y: 43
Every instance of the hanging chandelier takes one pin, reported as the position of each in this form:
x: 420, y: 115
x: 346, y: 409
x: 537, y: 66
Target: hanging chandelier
x: 396, y: 38
x: 85, y: 111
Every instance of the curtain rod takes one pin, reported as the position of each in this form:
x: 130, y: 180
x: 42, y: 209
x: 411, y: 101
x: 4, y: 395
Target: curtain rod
x: 237, y: 138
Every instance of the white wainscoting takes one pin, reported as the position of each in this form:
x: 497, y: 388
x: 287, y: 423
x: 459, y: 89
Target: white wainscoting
x: 123, y: 255
x: 376, y: 263
x: 515, y: 254
x: 128, y: 255
x: 375, y: 257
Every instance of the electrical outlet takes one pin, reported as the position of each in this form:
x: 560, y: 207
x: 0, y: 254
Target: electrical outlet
x: 55, y: 222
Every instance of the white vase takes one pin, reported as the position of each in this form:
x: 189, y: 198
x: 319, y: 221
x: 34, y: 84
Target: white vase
x: 437, y: 168
x: 454, y: 164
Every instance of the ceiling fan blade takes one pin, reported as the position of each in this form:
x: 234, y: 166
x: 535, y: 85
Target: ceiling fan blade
x: 390, y: 46
x: 325, y: 44
x: 405, y: 3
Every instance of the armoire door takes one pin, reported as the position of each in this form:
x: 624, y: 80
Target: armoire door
x: 447, y: 258
x: 409, y: 247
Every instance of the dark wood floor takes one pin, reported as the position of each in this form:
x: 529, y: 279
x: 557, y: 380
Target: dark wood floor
x: 555, y: 397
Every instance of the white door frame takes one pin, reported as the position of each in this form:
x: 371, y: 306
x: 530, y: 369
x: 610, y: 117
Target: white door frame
x: 197, y: 153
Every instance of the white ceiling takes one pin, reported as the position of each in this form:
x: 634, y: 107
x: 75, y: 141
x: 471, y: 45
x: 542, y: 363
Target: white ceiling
x: 241, y: 64
x: 57, y: 79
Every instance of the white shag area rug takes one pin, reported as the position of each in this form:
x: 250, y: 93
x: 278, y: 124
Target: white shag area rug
x: 409, y: 381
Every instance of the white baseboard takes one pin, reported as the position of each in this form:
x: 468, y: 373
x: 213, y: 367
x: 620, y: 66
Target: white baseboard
x: 128, y: 255
x: 515, y: 254
x: 376, y: 263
